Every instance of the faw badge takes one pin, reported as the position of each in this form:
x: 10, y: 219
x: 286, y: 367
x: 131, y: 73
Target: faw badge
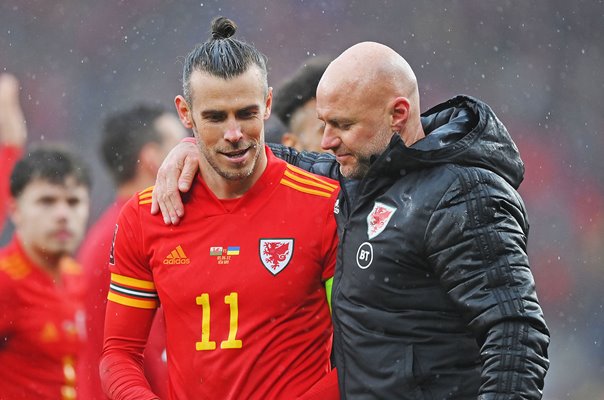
x: 275, y: 254
x: 378, y: 219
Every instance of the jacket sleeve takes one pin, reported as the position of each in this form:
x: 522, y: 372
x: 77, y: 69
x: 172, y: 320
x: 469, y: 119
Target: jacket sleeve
x: 476, y: 242
x: 323, y: 164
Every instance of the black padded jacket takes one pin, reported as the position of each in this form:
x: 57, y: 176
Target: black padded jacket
x: 433, y: 297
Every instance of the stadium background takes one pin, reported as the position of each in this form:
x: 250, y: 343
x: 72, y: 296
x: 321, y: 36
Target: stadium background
x: 538, y: 64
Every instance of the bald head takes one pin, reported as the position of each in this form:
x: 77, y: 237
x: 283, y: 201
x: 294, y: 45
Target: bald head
x: 373, y: 75
x: 368, y: 64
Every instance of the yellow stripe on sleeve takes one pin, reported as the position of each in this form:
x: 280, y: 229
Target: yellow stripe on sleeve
x: 137, y: 283
x: 311, y: 176
x: 321, y: 185
x: 147, y: 190
x: 303, y: 189
x: 126, y: 301
x: 145, y: 196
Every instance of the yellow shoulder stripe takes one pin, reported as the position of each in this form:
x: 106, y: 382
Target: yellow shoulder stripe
x: 147, y: 190
x: 304, y: 189
x: 307, y: 174
x: 137, y: 283
x: 309, y: 182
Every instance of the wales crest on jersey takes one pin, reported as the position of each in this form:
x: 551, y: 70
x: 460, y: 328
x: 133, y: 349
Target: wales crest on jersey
x: 276, y: 254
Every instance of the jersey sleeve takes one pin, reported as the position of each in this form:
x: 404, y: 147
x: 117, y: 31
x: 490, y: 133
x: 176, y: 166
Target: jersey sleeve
x: 131, y: 277
x: 132, y: 301
x: 330, y: 240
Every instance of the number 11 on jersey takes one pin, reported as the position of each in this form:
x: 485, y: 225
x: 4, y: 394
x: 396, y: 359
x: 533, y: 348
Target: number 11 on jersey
x: 232, y: 342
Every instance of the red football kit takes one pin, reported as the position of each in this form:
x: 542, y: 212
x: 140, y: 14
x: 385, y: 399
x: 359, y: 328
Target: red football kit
x: 94, y: 258
x: 241, y: 283
x: 41, y: 327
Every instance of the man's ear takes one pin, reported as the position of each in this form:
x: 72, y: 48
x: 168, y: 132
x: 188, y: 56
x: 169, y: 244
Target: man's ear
x: 289, y: 139
x: 184, y: 111
x: 400, y: 114
x: 269, y: 103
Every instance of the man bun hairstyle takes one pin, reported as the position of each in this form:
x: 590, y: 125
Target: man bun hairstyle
x: 223, y: 28
x: 222, y: 56
x: 53, y: 164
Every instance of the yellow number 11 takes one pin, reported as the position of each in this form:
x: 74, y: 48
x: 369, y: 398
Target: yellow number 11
x: 232, y: 342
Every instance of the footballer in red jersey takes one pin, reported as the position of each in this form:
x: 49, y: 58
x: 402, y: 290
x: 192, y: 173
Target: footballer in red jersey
x: 244, y: 280
x: 41, y: 288
x: 241, y: 283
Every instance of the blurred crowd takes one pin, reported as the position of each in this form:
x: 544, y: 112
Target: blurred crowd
x: 537, y: 64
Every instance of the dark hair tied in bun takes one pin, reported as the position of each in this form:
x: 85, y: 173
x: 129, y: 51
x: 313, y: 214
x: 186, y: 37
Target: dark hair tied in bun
x: 223, y: 28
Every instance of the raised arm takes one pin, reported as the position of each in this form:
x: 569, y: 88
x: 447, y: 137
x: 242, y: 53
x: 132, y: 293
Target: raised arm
x: 13, y: 134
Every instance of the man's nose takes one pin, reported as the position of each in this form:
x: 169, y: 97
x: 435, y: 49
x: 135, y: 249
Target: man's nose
x: 329, y: 140
x: 233, y: 132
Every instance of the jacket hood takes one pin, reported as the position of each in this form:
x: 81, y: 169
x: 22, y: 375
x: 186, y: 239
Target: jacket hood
x: 462, y: 131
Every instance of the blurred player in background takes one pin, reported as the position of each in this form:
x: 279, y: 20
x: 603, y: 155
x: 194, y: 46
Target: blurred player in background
x: 41, y: 287
x: 295, y: 105
x: 134, y: 143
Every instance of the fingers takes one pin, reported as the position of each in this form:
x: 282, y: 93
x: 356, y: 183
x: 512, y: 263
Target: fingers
x: 175, y: 175
x: 188, y: 174
x: 165, y: 191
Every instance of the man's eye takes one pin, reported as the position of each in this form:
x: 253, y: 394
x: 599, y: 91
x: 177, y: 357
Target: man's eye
x: 247, y: 114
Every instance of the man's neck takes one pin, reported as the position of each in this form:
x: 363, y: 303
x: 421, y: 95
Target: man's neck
x: 49, y: 263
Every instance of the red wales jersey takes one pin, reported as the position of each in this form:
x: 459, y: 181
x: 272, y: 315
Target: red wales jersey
x: 41, y: 328
x: 241, y: 283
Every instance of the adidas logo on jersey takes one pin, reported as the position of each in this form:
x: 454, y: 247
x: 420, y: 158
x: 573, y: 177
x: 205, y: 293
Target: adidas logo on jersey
x: 177, y: 256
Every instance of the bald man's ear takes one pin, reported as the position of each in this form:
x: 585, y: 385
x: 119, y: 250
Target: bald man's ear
x: 400, y: 114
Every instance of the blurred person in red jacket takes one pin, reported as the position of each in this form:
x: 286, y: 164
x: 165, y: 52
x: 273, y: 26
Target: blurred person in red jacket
x: 41, y: 288
x: 13, y: 134
x: 134, y: 143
